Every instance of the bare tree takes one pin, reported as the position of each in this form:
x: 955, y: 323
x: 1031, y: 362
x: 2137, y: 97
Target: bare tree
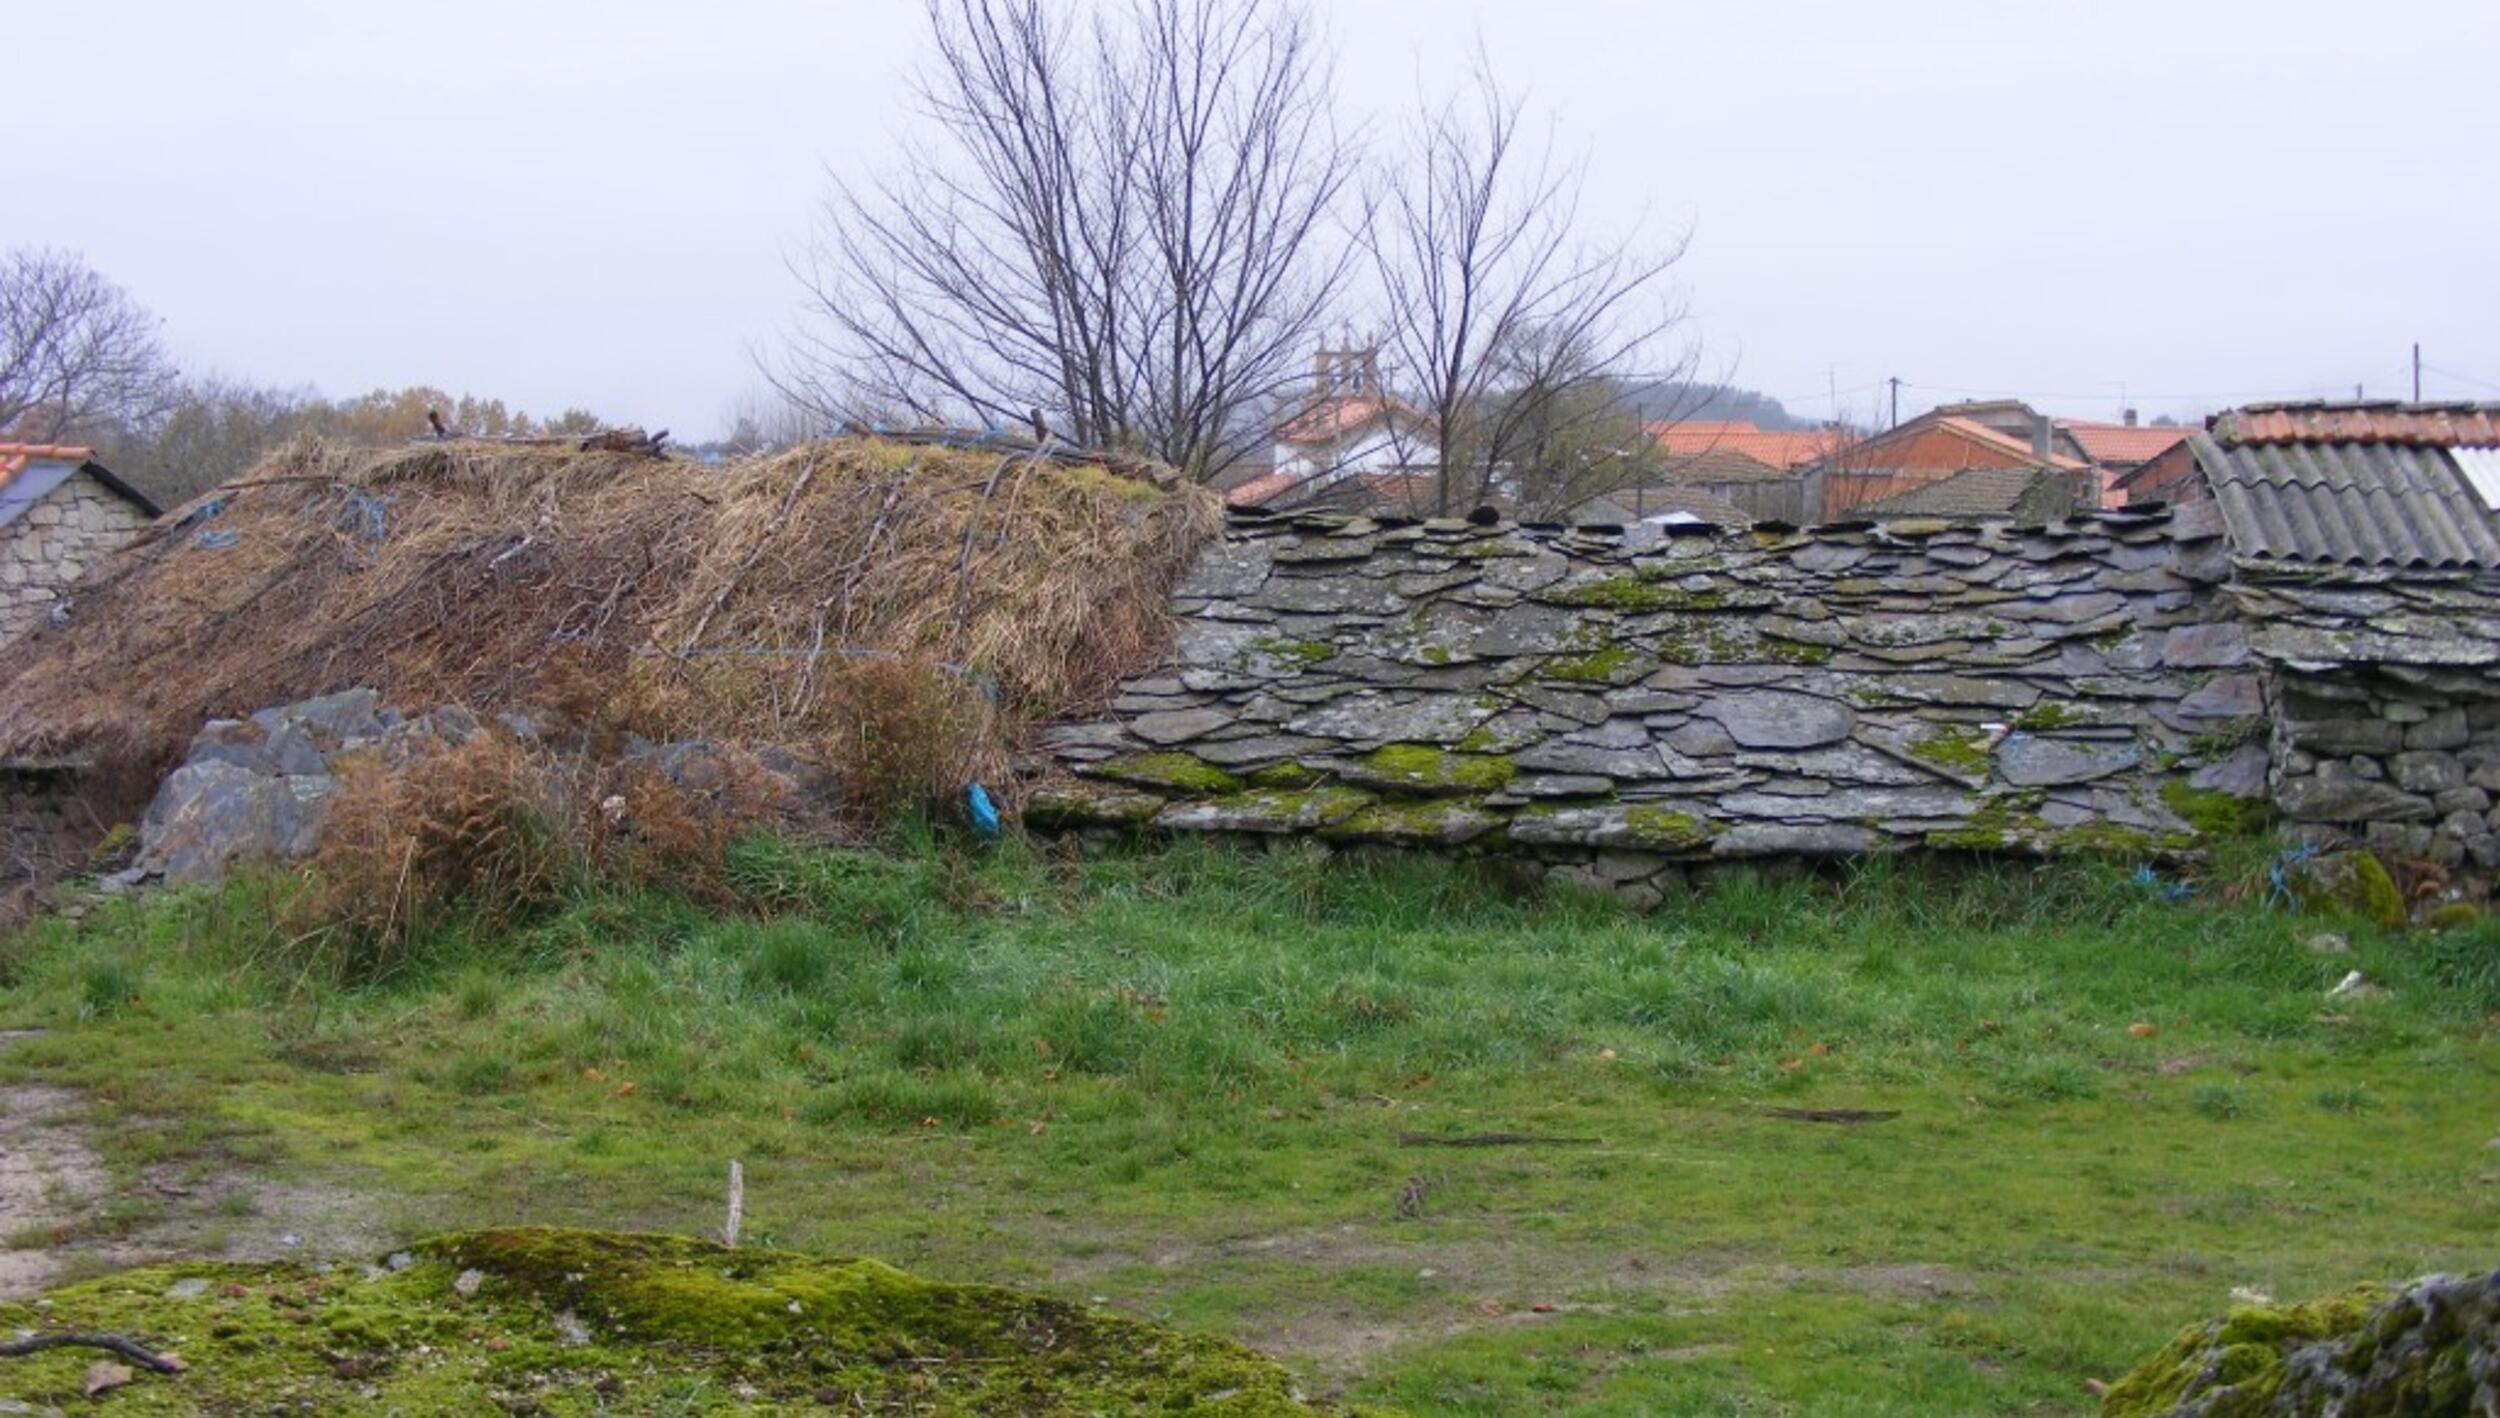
x: 1121, y: 227
x: 1506, y: 327
x: 77, y: 354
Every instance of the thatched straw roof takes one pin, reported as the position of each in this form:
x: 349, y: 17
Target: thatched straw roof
x: 721, y: 599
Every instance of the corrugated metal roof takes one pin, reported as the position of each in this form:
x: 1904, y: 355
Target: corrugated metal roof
x: 2354, y: 503
x: 2481, y: 467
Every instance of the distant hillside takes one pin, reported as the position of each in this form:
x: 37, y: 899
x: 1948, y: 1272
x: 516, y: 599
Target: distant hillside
x: 1682, y: 401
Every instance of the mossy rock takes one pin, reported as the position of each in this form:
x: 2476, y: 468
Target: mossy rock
x: 563, y: 1322
x: 2350, y: 884
x: 1060, y: 806
x: 2431, y: 1350
x: 1171, y: 772
x: 1422, y: 769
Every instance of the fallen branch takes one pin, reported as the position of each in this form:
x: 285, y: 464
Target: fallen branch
x: 1833, y: 1115
x: 129, y: 1349
x: 1492, y: 1139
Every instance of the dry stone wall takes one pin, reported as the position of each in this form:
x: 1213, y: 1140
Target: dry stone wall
x: 52, y: 543
x: 1621, y: 704
x: 2388, y: 731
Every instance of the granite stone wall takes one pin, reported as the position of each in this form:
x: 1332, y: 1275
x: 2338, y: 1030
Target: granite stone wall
x: 1619, y: 705
x: 53, y: 543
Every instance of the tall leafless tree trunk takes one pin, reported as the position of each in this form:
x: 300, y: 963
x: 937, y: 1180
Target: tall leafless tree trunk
x: 77, y: 355
x: 1504, y: 324
x: 1121, y: 225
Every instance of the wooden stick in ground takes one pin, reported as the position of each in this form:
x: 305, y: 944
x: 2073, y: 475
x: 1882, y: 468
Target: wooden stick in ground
x: 130, y: 1349
x: 737, y: 1205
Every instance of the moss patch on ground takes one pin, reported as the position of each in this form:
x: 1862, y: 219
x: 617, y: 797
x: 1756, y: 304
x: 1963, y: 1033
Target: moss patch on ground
x: 554, y: 1321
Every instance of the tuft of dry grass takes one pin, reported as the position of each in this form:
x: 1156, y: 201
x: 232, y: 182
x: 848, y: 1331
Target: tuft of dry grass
x: 480, y: 828
x: 734, y: 601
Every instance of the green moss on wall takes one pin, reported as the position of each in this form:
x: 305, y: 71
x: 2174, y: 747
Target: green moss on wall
x: 1955, y: 748
x: 1662, y: 830
x: 1631, y: 593
x: 2215, y: 814
x: 1426, y: 769
x: 1172, y: 772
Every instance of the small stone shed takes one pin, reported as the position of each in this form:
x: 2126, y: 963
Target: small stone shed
x: 2366, y: 556
x: 61, y: 511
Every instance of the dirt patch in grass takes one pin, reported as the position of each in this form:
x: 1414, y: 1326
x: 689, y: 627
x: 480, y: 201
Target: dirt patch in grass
x: 65, y: 1212
x: 49, y: 1178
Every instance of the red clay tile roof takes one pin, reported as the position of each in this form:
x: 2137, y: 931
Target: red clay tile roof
x: 1981, y: 433
x: 2423, y: 425
x: 1330, y: 419
x: 1259, y: 489
x: 15, y: 456
x: 1780, y: 450
x: 2121, y: 442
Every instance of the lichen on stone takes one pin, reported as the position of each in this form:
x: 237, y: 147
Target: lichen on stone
x: 1632, y: 593
x: 1600, y: 666
x: 1956, y: 748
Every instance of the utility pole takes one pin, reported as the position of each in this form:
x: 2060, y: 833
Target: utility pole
x: 1895, y: 382
x: 2417, y: 371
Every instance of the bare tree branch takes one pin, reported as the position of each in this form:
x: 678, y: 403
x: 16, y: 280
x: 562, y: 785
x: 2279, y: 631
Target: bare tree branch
x: 1121, y: 224
x: 1503, y: 323
x: 77, y: 354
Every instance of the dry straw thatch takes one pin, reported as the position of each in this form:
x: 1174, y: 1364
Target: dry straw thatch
x: 735, y: 601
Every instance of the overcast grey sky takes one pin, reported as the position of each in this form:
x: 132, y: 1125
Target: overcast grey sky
x: 2200, y: 201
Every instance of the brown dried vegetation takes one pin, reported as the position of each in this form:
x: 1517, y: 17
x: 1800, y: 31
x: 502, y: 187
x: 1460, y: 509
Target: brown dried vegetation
x: 743, y: 602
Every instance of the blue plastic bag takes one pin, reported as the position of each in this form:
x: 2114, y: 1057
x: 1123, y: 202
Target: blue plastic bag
x: 984, y: 812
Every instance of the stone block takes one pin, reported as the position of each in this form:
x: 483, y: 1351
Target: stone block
x: 2425, y: 772
x: 2444, y: 729
x: 2320, y: 799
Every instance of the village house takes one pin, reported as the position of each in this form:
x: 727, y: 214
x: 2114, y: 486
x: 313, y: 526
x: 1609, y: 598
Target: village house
x: 60, y: 512
x: 2365, y: 539
x: 2006, y: 460
x: 1351, y: 444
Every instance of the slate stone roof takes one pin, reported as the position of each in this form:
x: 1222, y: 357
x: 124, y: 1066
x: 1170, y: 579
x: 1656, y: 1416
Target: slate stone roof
x: 1724, y: 465
x: 53, y: 462
x: 2021, y: 494
x: 2383, y: 485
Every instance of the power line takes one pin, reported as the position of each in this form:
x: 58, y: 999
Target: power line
x: 2460, y: 376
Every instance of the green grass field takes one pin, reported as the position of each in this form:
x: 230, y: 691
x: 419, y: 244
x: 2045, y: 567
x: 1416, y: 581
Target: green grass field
x: 1196, y: 1084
